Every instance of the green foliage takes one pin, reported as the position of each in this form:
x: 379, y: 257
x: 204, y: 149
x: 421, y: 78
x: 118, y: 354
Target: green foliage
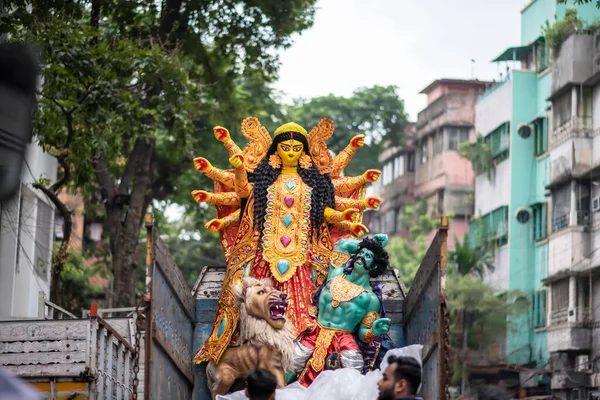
x: 558, y: 31
x: 406, y: 254
x: 470, y: 259
x: 480, y: 155
x: 579, y: 2
x: 77, y: 291
x: 377, y: 112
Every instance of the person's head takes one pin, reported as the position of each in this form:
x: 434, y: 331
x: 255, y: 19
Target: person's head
x: 261, y: 385
x: 290, y: 148
x: 370, y: 258
x: 401, y: 378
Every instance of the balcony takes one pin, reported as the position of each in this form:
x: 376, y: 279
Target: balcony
x: 450, y: 108
x: 573, y: 63
x: 575, y: 127
x: 568, y: 245
x: 569, y: 337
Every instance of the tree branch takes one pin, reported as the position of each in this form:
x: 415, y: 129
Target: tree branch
x: 103, y: 174
x: 55, y: 188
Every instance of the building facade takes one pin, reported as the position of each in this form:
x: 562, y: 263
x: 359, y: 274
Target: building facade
x: 443, y: 178
x: 395, y: 187
x: 26, y: 237
x: 573, y: 281
x: 515, y: 117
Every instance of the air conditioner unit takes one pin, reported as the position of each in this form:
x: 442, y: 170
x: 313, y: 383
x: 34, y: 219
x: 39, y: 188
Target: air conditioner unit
x: 596, y: 203
x: 524, y: 130
x: 523, y: 215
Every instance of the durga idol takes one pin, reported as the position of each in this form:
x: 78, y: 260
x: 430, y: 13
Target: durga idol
x: 280, y: 212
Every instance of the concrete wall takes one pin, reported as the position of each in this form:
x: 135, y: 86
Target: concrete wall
x: 596, y: 318
x: 500, y: 276
x: 573, y: 63
x: 573, y: 157
x: 494, y: 193
x: 567, y: 247
x: 568, y: 338
x: 493, y: 109
x: 447, y: 168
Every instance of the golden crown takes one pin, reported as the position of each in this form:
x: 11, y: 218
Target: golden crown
x: 290, y: 127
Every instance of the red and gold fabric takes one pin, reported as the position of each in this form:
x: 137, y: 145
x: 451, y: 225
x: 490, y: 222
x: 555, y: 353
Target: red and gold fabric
x: 324, y: 341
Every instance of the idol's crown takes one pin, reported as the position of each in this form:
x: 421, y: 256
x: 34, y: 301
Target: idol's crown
x: 290, y: 127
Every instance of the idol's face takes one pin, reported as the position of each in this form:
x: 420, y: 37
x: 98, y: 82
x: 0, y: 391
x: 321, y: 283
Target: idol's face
x: 290, y: 152
x: 364, y: 261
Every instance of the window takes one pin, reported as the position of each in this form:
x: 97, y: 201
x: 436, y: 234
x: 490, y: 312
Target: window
x: 43, y: 232
x: 410, y: 162
x: 561, y: 201
x: 456, y: 136
x: 542, y: 56
x: 560, y: 301
x: 499, y: 140
x: 438, y: 142
x: 390, y: 221
x: 398, y: 167
x: 539, y: 309
x: 539, y: 221
x: 540, y: 132
x: 388, y: 171
x: 491, y: 226
x: 424, y: 150
x: 561, y: 110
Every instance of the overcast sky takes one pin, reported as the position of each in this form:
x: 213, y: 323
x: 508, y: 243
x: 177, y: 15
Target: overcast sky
x: 408, y: 43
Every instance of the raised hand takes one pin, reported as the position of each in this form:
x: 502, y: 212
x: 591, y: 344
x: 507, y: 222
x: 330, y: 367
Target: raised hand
x: 237, y: 160
x: 381, y: 326
x: 202, y: 164
x: 214, y: 225
x: 201, y: 196
x: 222, y: 134
x: 358, y: 229
x: 372, y: 202
x: 349, y: 214
x: 381, y: 238
x: 371, y: 175
x: 357, y: 141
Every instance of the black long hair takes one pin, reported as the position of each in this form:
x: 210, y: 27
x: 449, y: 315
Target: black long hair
x: 323, y: 192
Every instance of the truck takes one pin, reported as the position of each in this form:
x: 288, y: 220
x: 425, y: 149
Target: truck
x: 149, y: 354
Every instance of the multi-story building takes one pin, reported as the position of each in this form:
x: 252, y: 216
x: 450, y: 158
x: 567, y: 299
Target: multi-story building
x: 26, y: 236
x: 573, y: 278
x: 443, y: 178
x: 514, y: 118
x: 395, y: 187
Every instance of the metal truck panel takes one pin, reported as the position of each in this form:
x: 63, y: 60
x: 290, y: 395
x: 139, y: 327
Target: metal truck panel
x: 427, y: 319
x: 169, y: 330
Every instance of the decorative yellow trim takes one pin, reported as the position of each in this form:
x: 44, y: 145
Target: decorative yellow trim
x: 305, y: 161
x: 343, y: 290
x: 275, y: 161
x: 290, y: 127
x: 369, y: 337
x: 339, y: 259
x: 368, y: 319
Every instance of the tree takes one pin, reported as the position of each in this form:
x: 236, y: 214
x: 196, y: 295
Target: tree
x: 123, y: 77
x: 480, y: 155
x: 475, y: 305
x: 406, y: 254
x: 579, y: 2
x: 469, y: 259
x: 378, y: 112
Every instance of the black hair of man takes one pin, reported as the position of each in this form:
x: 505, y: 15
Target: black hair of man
x: 261, y: 384
x: 407, y: 368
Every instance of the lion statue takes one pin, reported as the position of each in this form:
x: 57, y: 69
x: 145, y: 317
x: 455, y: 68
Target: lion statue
x: 266, y: 339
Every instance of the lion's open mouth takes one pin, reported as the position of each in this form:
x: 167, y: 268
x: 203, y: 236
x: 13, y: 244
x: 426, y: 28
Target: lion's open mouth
x: 277, y: 310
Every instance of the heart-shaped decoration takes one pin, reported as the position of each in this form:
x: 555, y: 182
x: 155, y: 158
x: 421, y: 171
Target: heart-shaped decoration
x: 289, y: 201
x: 283, y: 266
x: 285, y: 240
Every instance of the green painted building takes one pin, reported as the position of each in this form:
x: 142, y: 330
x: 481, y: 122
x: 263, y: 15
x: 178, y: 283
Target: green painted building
x: 513, y: 118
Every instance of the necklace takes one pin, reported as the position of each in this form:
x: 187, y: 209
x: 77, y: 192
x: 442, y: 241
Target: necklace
x: 343, y: 290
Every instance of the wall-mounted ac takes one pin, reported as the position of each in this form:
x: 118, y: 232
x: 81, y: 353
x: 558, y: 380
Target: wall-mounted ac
x: 596, y: 203
x: 524, y: 130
